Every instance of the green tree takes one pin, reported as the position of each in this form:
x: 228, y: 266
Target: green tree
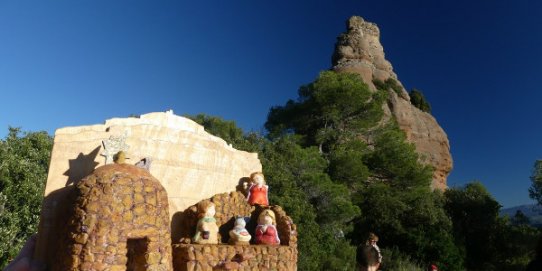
x: 396, y: 161
x: 24, y: 160
x: 535, y: 191
x: 229, y: 131
x: 476, y: 224
x: 333, y: 109
x: 346, y: 165
x: 411, y: 220
x: 418, y: 100
x: 319, y: 207
x: 519, y: 219
x: 338, y: 116
x: 515, y: 243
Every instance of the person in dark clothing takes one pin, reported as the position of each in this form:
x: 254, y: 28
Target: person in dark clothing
x: 368, y: 255
x: 536, y: 264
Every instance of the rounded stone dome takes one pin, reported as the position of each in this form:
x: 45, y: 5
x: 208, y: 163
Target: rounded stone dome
x: 120, y: 221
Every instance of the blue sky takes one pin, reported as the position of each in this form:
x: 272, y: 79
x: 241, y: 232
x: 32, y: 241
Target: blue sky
x: 70, y: 63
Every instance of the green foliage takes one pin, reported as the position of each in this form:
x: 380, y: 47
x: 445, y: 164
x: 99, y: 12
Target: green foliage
x: 395, y: 160
x: 390, y: 83
x: 228, y: 131
x: 520, y: 219
x: 333, y: 109
x: 397, y: 261
x: 337, y: 120
x: 475, y: 216
x: 346, y: 165
x: 24, y: 159
x: 412, y: 220
x: 317, y: 205
x: 516, y: 245
x: 535, y: 191
x: 487, y: 241
x: 418, y: 100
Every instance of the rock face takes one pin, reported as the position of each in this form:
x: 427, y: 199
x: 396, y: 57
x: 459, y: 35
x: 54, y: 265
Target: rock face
x: 358, y: 50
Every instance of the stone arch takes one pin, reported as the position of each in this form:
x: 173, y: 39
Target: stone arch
x: 120, y: 221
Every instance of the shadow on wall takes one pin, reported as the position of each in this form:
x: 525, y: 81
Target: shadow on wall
x: 56, y: 210
x: 243, y: 185
x: 57, y: 207
x: 81, y: 166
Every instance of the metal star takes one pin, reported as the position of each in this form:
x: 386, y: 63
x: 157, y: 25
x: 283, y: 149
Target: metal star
x: 113, y: 145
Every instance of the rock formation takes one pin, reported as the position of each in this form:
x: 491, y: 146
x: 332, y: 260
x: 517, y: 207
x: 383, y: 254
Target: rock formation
x: 358, y: 50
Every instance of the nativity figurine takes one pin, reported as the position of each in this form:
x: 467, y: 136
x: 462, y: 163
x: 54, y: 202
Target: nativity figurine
x: 258, y: 191
x: 266, y: 231
x: 239, y: 234
x: 206, y: 229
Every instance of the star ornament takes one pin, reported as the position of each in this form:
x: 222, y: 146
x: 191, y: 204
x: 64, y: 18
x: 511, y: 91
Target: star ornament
x: 112, y: 146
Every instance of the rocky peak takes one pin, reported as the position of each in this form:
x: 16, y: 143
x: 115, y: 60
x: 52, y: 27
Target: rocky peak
x: 358, y: 50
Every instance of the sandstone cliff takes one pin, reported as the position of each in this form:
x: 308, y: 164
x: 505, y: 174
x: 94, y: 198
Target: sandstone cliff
x: 358, y: 50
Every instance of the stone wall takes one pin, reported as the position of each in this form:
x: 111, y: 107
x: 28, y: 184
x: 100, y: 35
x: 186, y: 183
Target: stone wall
x: 119, y: 221
x: 193, y: 257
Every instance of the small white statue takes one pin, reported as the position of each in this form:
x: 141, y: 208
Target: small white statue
x: 239, y: 234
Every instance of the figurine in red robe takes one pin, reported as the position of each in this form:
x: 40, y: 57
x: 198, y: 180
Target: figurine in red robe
x: 266, y: 231
x: 258, y: 191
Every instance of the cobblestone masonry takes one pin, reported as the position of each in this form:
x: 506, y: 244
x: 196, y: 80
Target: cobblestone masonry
x: 120, y: 221
x: 194, y: 257
x: 187, y: 256
x: 117, y: 219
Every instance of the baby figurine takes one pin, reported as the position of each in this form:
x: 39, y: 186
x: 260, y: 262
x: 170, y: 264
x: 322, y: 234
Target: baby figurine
x: 266, y: 232
x: 206, y: 230
x: 257, y: 193
x: 239, y: 235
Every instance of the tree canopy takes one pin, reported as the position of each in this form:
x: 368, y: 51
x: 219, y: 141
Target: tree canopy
x: 24, y: 160
x: 333, y: 109
x: 342, y: 118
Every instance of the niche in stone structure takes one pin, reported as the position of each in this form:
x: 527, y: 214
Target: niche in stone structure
x: 136, y: 249
x: 223, y: 256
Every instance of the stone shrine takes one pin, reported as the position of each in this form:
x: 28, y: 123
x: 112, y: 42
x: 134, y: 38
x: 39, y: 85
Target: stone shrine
x: 99, y: 215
